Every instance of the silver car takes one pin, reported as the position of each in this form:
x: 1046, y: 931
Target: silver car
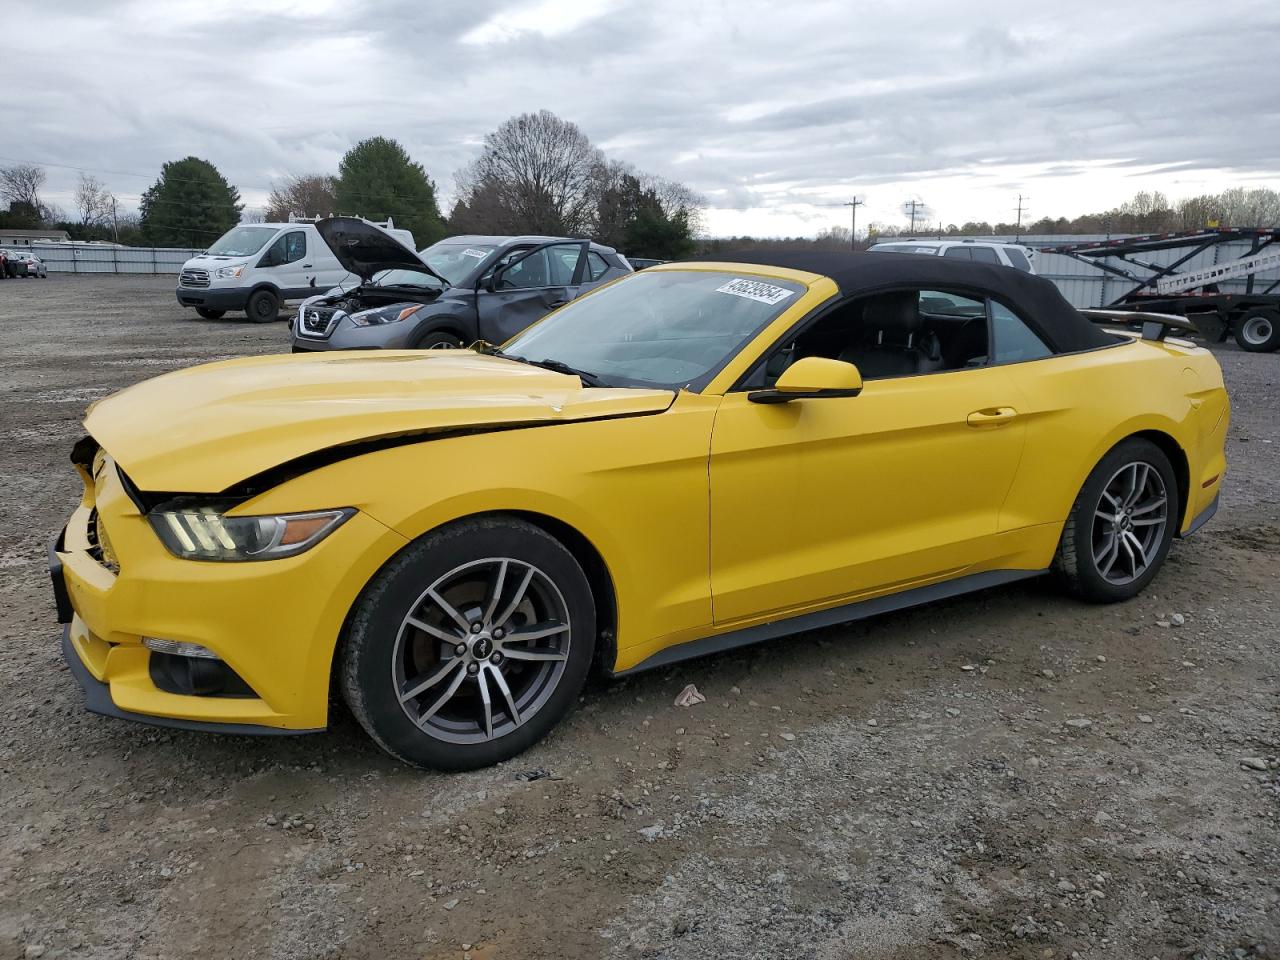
x: 35, y: 266
x: 453, y: 293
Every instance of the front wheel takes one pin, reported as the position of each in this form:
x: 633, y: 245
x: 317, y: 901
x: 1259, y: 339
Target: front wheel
x: 1258, y: 331
x: 263, y: 306
x: 1122, y: 523
x: 469, y: 646
x: 210, y: 314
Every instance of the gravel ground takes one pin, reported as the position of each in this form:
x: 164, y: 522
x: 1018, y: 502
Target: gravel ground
x: 1010, y: 774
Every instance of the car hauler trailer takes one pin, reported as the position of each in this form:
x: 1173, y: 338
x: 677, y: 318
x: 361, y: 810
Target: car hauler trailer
x: 1251, y: 316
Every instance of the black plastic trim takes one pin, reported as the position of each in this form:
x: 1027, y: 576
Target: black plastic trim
x: 1203, y: 517
x: 827, y: 618
x: 97, y: 699
x: 61, y: 598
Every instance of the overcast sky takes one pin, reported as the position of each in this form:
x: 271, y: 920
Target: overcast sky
x: 776, y: 111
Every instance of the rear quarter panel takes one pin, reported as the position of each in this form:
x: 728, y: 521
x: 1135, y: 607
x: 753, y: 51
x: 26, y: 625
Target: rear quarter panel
x: 1078, y: 406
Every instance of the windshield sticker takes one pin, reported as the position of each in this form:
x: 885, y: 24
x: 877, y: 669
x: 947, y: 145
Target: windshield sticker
x: 755, y: 290
x: 472, y: 252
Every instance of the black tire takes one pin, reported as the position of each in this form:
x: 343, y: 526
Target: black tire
x: 210, y: 314
x: 263, y: 307
x: 1085, y: 533
x: 438, y: 340
x: 1258, y: 331
x: 380, y: 642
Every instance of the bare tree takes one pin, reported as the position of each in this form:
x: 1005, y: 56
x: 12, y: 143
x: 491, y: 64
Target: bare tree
x: 94, y: 203
x: 542, y: 170
x: 21, y: 185
x: 310, y: 195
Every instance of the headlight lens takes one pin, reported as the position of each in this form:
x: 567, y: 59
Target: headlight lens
x: 202, y: 533
x: 228, y: 273
x: 369, y: 318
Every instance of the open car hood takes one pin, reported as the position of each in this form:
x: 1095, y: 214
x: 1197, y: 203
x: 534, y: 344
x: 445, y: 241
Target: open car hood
x: 365, y: 249
x: 207, y: 429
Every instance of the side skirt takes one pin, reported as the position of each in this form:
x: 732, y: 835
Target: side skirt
x: 848, y: 613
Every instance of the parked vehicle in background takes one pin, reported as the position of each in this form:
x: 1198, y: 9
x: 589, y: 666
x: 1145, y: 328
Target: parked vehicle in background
x: 4, y: 264
x: 453, y: 293
x: 15, y: 266
x: 979, y: 251
x: 35, y: 266
x: 642, y: 263
x: 260, y: 267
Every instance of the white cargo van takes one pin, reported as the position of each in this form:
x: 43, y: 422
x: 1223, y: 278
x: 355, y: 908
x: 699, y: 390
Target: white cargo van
x: 983, y: 251
x: 258, y: 267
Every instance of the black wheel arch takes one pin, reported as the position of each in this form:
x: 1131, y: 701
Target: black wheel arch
x: 447, y: 323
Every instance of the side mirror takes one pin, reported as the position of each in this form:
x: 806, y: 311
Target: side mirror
x: 812, y: 378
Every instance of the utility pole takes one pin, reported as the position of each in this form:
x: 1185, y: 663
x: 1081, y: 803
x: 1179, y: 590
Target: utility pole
x: 913, y: 204
x: 1017, y: 231
x: 853, y: 206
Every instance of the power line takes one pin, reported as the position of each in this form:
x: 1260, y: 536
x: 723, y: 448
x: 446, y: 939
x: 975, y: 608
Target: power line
x: 913, y: 204
x: 1017, y: 230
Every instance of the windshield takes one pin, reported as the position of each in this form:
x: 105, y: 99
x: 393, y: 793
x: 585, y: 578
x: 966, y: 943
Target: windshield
x: 664, y: 328
x: 242, y: 241
x: 406, y: 278
x: 454, y: 260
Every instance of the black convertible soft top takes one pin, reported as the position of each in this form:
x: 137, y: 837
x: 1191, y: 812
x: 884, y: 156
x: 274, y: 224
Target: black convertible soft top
x: 1034, y: 299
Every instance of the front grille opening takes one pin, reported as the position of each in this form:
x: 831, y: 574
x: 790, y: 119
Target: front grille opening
x: 194, y: 278
x: 196, y: 677
x: 100, y: 544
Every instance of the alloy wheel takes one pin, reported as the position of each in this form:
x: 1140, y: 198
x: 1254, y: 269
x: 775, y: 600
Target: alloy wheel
x: 481, y: 650
x: 1129, y: 523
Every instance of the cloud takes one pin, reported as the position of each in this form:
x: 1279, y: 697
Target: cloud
x: 776, y: 112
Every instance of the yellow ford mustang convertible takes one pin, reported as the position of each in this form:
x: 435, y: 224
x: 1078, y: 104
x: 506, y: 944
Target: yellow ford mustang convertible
x: 692, y: 458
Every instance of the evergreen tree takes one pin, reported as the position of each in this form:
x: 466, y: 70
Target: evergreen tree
x: 377, y: 179
x: 191, y: 205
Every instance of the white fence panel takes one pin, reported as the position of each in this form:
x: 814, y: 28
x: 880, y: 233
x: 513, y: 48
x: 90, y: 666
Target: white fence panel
x: 94, y: 258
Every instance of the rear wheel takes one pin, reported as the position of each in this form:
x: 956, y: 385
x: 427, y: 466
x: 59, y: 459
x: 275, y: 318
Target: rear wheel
x: 438, y: 340
x: 1258, y: 331
x: 470, y: 645
x: 263, y: 306
x: 1120, y: 527
x: 210, y: 314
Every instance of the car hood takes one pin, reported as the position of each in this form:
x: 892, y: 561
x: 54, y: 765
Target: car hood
x: 365, y: 249
x: 208, y: 428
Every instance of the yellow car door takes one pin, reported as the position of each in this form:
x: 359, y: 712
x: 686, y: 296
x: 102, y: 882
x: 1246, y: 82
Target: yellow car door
x: 821, y: 500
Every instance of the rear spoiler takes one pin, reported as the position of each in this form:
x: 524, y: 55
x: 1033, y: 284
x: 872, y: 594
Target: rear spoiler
x: 1155, y: 326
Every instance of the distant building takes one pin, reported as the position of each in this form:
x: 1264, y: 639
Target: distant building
x: 24, y: 238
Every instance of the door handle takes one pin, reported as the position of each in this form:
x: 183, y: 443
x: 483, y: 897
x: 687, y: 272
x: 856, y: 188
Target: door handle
x: 991, y: 416
x: 306, y: 266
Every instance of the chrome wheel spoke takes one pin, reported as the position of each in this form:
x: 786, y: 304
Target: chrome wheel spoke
x: 1112, y: 551
x: 1140, y: 552
x: 418, y: 689
x: 501, y: 681
x: 444, y: 698
x: 515, y: 653
x: 433, y: 631
x: 510, y: 608
x: 496, y: 595
x: 450, y: 610
x: 1148, y: 507
x: 537, y: 631
x: 1147, y: 522
x: 486, y: 700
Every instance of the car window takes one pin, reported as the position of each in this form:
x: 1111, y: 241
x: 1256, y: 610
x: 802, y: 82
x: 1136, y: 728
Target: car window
x: 1014, y: 340
x: 959, y: 253
x: 984, y: 255
x: 597, y: 266
x: 288, y: 248
x: 527, y: 274
x: 1017, y: 258
x: 562, y: 263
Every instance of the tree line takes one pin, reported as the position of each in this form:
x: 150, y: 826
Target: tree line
x: 535, y: 174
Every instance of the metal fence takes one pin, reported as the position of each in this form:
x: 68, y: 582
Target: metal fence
x: 105, y: 258
x: 1087, y: 286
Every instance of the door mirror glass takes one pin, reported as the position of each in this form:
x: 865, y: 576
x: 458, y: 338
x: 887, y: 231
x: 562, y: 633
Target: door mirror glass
x: 812, y: 377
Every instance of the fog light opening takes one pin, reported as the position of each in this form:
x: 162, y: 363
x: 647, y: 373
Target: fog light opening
x: 179, y: 648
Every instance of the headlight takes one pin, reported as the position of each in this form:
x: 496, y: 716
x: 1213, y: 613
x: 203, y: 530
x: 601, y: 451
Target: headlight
x: 228, y: 273
x: 369, y: 318
x: 202, y: 533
